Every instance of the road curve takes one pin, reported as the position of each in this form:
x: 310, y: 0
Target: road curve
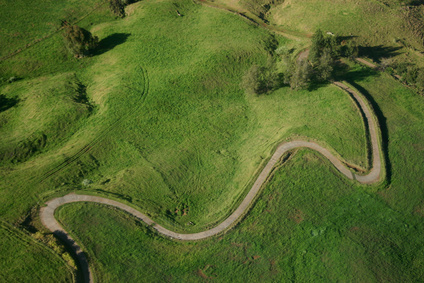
x: 49, y: 221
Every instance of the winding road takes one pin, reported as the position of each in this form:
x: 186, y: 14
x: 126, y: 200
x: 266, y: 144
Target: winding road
x: 375, y: 174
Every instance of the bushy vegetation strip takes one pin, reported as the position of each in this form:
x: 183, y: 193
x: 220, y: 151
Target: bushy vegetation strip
x: 48, y: 218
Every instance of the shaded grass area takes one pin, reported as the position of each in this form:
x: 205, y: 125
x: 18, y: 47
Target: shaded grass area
x: 303, y: 227
x: 23, y: 260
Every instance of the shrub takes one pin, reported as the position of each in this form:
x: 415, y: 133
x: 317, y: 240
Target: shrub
x: 260, y: 80
x: 325, y: 67
x: 301, y: 77
x: 79, y: 41
x: 411, y: 75
x: 118, y: 7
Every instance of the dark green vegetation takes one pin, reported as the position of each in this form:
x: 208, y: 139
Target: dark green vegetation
x: 118, y: 6
x: 156, y: 118
x: 79, y: 41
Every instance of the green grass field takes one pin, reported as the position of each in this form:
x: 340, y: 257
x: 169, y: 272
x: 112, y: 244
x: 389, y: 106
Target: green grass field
x: 157, y: 119
x: 185, y: 134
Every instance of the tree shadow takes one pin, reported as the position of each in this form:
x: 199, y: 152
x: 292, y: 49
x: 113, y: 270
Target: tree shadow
x: 317, y: 85
x: 415, y: 3
x: 346, y: 37
x: 382, y: 121
x: 376, y: 53
x: 6, y: 103
x: 110, y: 42
x: 344, y: 72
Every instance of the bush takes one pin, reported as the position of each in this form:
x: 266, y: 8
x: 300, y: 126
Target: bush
x: 350, y: 50
x: 79, y: 41
x: 118, y: 7
x: 411, y: 75
x: 301, y: 77
x: 326, y: 66
x: 260, y: 80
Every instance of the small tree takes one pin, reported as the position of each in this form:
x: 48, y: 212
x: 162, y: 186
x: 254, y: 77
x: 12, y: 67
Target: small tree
x: 79, y: 41
x: 260, y: 80
x: 351, y: 49
x: 250, y: 81
x: 118, y: 7
x: 318, y: 44
x: 301, y: 76
x: 410, y: 77
x: 325, y: 67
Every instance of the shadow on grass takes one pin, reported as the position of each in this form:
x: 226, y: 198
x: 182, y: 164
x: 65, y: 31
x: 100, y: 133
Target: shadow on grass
x: 110, y: 42
x: 347, y: 37
x: 383, y: 127
x: 343, y: 72
x: 6, y: 103
x: 317, y: 85
x: 376, y: 53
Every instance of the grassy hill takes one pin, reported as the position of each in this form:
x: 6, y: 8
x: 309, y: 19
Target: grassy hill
x: 157, y: 118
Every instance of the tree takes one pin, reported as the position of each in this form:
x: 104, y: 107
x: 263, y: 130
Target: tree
x: 325, y: 66
x: 301, y: 76
x: 118, y: 7
x: 260, y: 80
x: 79, y: 41
x: 325, y: 48
x: 351, y: 49
x: 385, y: 63
x: 318, y: 44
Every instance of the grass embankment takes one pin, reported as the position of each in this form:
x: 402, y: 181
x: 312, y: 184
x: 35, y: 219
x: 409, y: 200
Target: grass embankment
x: 22, y: 259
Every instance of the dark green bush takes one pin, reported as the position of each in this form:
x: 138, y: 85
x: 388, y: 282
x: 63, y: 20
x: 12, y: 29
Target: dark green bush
x: 79, y: 41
